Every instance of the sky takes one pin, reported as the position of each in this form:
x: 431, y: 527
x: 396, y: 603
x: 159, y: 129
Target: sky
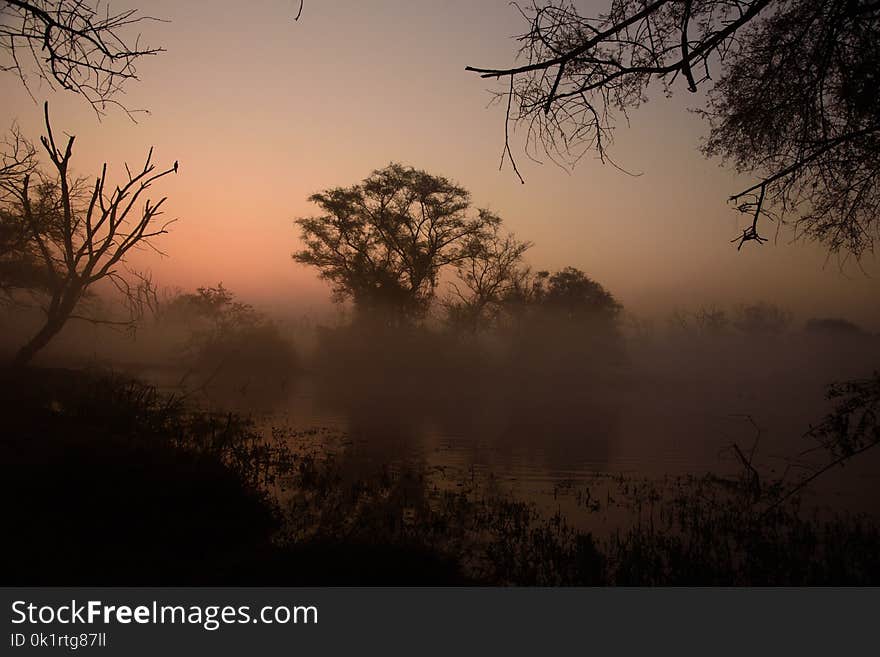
x: 262, y: 111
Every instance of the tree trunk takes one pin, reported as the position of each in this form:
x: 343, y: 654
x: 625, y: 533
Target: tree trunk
x: 40, y: 340
x: 58, y: 313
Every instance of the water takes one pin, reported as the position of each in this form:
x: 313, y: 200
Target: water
x: 544, y: 438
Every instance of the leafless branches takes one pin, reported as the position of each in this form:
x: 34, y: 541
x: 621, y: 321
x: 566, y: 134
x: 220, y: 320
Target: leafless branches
x: 579, y: 70
x: 850, y: 429
x: 791, y: 87
x: 17, y: 158
x: 92, y: 233
x: 751, y: 479
x: 75, y: 44
x: 488, y: 272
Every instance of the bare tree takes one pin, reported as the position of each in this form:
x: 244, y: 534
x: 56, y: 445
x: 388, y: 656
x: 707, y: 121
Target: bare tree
x: 17, y: 157
x: 488, y: 272
x: 80, y: 46
x: 17, y: 261
x: 383, y: 243
x: 792, y: 96
x: 83, y: 237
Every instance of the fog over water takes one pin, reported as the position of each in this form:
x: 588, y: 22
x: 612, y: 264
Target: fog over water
x: 560, y: 293
x: 539, y: 413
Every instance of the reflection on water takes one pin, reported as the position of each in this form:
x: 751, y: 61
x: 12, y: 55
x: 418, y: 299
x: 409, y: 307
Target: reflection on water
x: 544, y: 436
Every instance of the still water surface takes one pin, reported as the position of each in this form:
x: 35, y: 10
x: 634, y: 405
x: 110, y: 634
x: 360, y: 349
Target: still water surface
x: 543, y: 438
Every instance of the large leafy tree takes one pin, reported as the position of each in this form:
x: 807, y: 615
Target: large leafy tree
x: 791, y: 96
x: 383, y: 243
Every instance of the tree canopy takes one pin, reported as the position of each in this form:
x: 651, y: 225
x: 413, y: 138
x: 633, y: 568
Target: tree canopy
x: 791, y: 97
x: 568, y: 296
x: 382, y: 243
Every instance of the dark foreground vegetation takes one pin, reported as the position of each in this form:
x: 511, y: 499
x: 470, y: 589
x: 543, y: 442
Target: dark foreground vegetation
x: 107, y: 481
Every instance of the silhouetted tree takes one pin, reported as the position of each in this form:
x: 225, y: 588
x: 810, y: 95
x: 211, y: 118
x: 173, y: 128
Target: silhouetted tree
x: 850, y: 429
x: 81, y: 236
x: 17, y: 158
x: 562, y: 324
x: 490, y: 269
x: 80, y: 46
x: 383, y: 243
x: 231, y: 341
x: 215, y: 305
x: 792, y: 96
x: 19, y: 261
x: 21, y: 266
x: 567, y: 299
x: 571, y: 295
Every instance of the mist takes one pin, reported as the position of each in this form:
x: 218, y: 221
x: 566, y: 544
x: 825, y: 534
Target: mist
x: 309, y: 293
x: 537, y: 403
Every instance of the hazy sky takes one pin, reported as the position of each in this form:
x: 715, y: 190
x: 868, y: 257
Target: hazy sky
x: 262, y: 111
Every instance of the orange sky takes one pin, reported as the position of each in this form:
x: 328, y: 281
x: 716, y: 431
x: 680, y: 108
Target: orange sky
x: 262, y: 111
